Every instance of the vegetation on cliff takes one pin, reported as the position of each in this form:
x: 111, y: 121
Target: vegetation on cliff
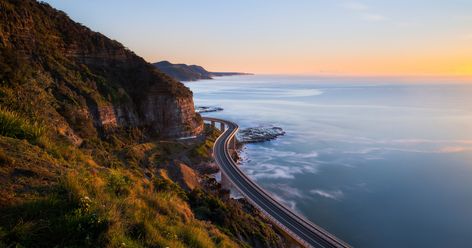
x: 85, y: 162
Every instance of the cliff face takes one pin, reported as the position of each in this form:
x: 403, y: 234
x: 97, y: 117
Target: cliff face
x: 84, y: 82
x: 181, y: 111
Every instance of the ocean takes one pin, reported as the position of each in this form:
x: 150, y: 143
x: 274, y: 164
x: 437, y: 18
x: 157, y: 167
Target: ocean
x: 379, y: 162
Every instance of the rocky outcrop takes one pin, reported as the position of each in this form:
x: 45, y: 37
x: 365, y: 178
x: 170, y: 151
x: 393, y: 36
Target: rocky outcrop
x: 207, y: 109
x: 162, y: 112
x: 107, y: 117
x: 259, y: 134
x: 182, y: 174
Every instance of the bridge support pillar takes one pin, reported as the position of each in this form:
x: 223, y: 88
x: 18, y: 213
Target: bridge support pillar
x: 222, y: 126
x: 212, y: 123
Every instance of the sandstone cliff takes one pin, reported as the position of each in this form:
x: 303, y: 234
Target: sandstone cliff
x: 87, y: 84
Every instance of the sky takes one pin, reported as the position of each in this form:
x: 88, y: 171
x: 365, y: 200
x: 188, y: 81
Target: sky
x: 327, y: 37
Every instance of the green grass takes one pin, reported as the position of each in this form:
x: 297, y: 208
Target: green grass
x: 118, y: 183
x: 116, y: 206
x: 16, y: 126
x: 152, y: 212
x: 54, y: 220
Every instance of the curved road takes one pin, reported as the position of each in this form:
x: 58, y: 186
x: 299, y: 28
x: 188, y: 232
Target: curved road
x: 302, y: 230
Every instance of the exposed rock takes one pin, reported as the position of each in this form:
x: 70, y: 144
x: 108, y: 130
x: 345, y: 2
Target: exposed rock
x: 259, y: 134
x: 206, y: 168
x: 107, y: 116
x: 66, y: 131
x: 207, y: 109
x: 182, y: 174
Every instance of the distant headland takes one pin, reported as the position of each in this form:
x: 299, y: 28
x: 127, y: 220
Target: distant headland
x: 183, y: 72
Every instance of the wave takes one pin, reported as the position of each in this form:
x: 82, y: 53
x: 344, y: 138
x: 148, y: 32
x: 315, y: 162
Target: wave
x: 331, y: 194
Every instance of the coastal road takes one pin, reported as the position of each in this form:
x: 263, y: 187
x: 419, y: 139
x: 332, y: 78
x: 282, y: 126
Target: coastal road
x: 300, y: 229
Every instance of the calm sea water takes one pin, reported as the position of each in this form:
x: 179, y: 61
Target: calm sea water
x: 377, y: 162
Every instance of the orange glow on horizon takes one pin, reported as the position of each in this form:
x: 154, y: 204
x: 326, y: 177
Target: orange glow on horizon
x: 338, y: 65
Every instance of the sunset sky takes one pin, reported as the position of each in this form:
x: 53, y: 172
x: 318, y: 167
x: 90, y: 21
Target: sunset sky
x: 402, y: 37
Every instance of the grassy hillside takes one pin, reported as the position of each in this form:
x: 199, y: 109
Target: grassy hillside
x: 57, y: 195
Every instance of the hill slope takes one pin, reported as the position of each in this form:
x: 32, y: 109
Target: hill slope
x: 183, y: 72
x: 87, y: 155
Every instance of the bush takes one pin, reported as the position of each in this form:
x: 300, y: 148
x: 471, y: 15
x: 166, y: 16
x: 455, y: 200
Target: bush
x: 51, y: 222
x: 165, y: 185
x: 15, y: 126
x: 118, y: 183
x: 195, y: 237
x: 208, y: 207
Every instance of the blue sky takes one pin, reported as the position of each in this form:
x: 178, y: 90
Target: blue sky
x: 300, y: 36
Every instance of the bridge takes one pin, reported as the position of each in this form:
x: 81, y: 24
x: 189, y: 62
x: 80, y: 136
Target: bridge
x: 303, y: 231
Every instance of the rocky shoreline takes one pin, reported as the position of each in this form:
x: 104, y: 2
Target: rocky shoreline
x: 259, y: 134
x: 248, y: 135
x: 207, y: 109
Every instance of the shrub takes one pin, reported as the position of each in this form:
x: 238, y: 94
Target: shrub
x: 118, y: 183
x: 51, y: 222
x: 14, y: 125
x: 165, y: 185
x: 195, y: 237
